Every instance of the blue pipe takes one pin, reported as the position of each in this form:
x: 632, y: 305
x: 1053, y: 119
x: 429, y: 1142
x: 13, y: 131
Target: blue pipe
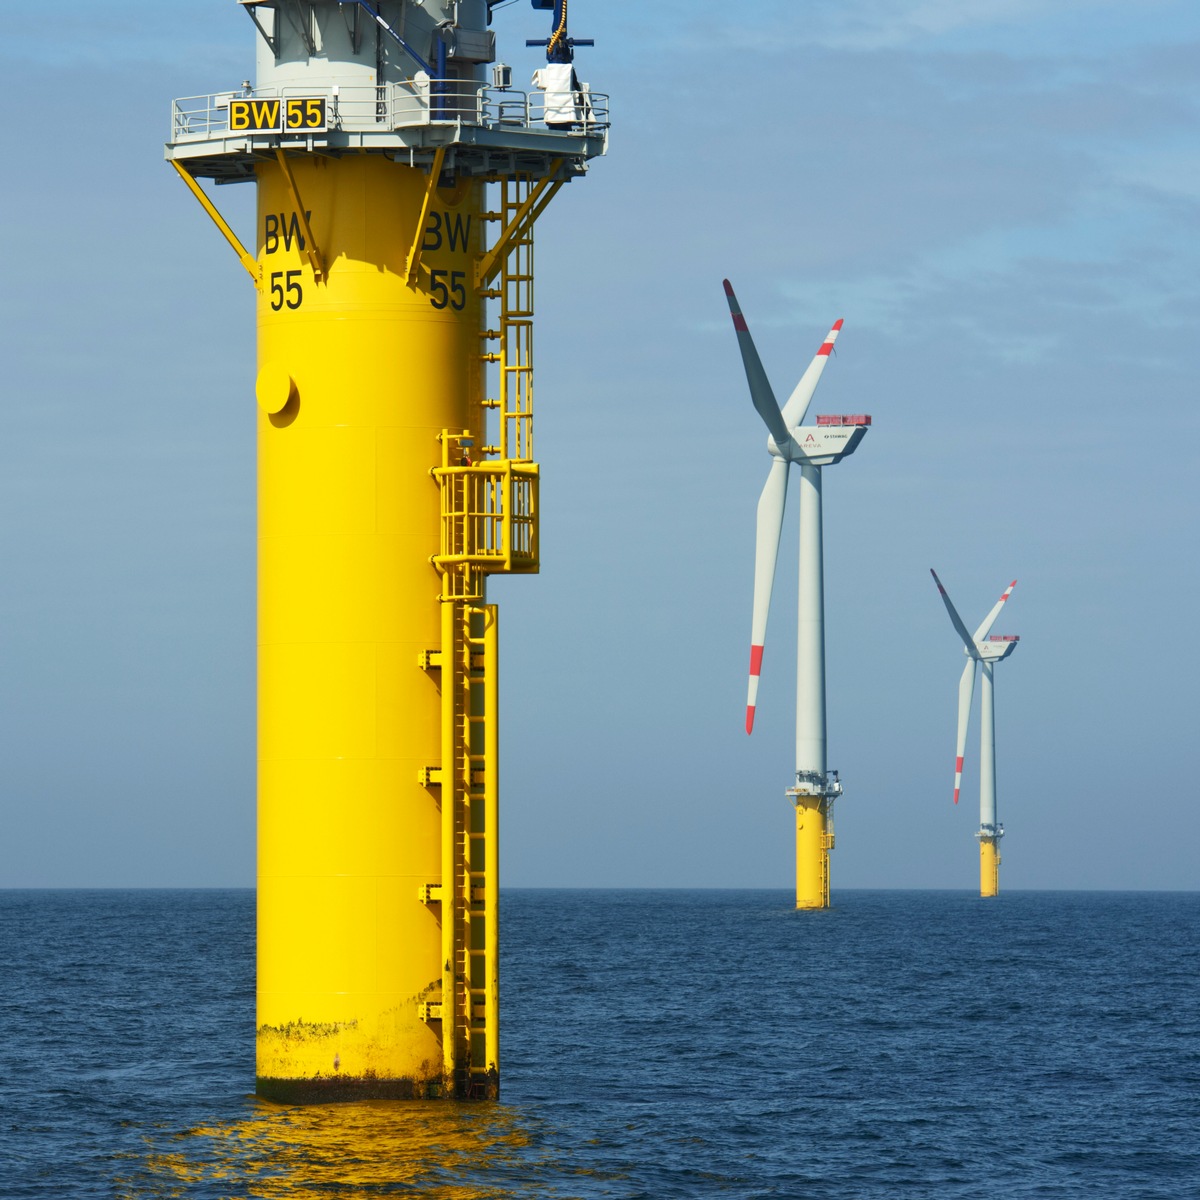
x: 378, y: 19
x: 439, y: 112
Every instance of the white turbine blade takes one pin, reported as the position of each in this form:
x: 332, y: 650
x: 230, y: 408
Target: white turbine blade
x: 990, y: 619
x: 955, y: 618
x: 966, y: 689
x: 766, y: 551
x: 796, y: 408
x: 756, y: 377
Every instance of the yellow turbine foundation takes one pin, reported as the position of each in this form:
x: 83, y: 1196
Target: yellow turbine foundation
x: 395, y: 475
x: 814, y: 840
x: 359, y: 376
x: 989, y: 867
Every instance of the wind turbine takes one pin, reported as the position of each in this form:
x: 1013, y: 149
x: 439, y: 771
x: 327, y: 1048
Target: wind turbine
x: 987, y: 651
x: 811, y: 447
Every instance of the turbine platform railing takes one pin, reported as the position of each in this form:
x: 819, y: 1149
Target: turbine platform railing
x: 368, y: 107
x: 489, y: 521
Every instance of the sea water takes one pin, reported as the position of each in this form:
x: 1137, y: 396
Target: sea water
x: 654, y: 1044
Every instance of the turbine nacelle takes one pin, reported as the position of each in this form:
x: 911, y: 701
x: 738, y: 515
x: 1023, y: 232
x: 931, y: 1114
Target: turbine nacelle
x: 995, y: 648
x: 819, y: 445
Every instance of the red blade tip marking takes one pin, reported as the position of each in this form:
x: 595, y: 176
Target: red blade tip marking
x: 749, y: 720
x: 958, y: 763
x: 956, y: 795
x: 739, y: 323
x: 756, y: 653
x: 838, y: 323
x: 728, y: 287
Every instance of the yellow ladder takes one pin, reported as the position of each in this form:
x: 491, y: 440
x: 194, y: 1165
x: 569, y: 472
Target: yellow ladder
x: 516, y: 326
x: 489, y: 506
x: 470, y: 850
x: 827, y: 844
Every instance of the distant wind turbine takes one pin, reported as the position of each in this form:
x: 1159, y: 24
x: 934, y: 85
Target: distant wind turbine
x: 981, y: 650
x: 811, y: 447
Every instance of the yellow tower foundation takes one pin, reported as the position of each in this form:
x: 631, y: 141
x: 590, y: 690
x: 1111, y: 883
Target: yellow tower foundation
x: 395, y: 473
x: 989, y: 866
x: 814, y: 840
x: 349, y: 612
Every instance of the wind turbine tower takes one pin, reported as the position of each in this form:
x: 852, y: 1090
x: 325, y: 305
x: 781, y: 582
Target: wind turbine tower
x: 399, y: 176
x: 983, y: 650
x: 811, y: 447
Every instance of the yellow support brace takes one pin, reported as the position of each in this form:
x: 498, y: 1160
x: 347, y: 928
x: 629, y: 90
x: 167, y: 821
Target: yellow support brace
x: 311, y: 250
x: 414, y: 254
x: 244, y: 256
x: 541, y: 195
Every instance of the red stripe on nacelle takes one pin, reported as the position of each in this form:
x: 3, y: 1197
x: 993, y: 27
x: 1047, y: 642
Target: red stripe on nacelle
x: 756, y: 660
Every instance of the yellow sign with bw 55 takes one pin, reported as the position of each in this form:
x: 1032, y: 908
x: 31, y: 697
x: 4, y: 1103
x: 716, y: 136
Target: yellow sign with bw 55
x: 295, y: 114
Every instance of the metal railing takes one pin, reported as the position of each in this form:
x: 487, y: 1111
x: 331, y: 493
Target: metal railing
x: 489, y: 522
x: 418, y: 101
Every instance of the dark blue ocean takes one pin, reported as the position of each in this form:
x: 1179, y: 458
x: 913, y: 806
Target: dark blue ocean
x: 655, y: 1044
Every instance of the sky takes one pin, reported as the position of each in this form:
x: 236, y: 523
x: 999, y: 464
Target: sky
x: 1002, y: 200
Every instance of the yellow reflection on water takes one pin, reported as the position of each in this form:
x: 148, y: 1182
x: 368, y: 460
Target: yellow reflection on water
x: 368, y: 1148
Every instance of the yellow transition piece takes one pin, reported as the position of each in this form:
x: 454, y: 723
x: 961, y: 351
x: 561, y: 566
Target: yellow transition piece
x: 813, y: 843
x: 989, y: 867
x: 360, y: 374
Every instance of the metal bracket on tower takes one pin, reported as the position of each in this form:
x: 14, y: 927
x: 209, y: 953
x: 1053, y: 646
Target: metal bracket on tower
x: 301, y: 22
x: 272, y: 40
x: 414, y: 255
x: 310, y: 243
x: 245, y: 257
x: 535, y: 203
